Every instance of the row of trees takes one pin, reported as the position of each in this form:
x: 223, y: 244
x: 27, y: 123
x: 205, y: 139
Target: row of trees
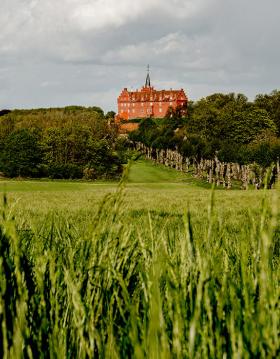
x: 76, y: 142
x: 214, y: 171
x: 72, y: 142
x: 224, y: 125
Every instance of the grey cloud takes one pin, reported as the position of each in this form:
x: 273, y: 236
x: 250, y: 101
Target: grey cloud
x: 76, y: 52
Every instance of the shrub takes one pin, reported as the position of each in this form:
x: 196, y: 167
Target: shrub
x: 65, y: 171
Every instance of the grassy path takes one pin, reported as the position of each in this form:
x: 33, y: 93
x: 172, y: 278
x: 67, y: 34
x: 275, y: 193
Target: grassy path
x: 148, y: 172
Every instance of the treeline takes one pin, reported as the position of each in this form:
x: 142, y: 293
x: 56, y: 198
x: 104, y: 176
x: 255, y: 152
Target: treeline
x: 72, y: 142
x: 224, y: 125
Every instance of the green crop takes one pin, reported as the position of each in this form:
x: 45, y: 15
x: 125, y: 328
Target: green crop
x: 147, y: 271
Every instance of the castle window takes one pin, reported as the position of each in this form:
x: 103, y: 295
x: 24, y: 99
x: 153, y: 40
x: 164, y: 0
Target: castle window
x: 151, y: 103
x: 142, y: 104
x: 160, y: 110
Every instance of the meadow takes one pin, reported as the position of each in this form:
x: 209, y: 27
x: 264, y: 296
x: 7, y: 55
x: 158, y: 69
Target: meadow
x: 158, y: 266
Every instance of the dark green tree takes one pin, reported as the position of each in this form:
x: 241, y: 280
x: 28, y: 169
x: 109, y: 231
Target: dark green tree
x: 270, y: 103
x: 103, y: 161
x: 21, y: 154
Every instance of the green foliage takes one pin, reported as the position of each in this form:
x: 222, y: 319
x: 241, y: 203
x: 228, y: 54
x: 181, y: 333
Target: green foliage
x: 103, y: 160
x: 244, y: 127
x: 123, y: 148
x: 227, y: 125
x: 175, y: 117
x: 68, y: 141
x: 21, y: 154
x: 228, y: 117
x: 64, y: 171
x: 110, y: 115
x: 194, y: 147
x: 234, y: 152
x: 271, y: 104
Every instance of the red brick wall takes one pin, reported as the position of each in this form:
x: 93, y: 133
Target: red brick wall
x: 148, y: 102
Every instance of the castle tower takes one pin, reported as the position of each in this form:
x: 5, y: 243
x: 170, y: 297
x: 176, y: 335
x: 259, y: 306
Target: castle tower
x: 148, y: 80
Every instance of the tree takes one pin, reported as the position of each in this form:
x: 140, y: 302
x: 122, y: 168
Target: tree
x: 175, y: 117
x: 21, y: 155
x: 103, y: 161
x: 270, y: 103
x: 244, y: 126
x: 110, y: 115
x: 145, y: 132
x: 66, y: 138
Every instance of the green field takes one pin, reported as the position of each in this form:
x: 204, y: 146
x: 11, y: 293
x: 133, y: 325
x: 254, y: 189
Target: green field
x: 149, y: 187
x: 158, y: 267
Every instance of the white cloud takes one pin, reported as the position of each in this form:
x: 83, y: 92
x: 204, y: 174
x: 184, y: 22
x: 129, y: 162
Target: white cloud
x: 98, y: 14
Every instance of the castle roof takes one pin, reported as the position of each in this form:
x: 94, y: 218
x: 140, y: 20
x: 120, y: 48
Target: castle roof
x: 150, y: 94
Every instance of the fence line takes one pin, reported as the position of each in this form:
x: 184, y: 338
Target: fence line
x: 214, y: 171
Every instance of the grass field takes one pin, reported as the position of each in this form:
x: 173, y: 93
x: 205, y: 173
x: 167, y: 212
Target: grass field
x: 159, y: 267
x: 148, y: 187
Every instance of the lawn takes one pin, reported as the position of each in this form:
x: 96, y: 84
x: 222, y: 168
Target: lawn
x: 158, y: 267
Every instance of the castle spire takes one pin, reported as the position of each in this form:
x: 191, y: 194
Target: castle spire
x: 148, y: 80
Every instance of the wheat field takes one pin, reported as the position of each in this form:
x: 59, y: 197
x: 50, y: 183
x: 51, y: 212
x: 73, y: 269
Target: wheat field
x: 158, y: 266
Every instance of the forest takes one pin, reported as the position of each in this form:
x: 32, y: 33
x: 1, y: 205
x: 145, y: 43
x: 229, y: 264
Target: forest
x: 228, y: 126
x: 61, y: 143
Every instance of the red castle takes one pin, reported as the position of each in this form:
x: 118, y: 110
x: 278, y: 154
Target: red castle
x: 147, y: 102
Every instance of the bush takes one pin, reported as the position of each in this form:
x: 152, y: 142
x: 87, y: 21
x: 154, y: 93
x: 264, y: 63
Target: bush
x: 263, y: 154
x: 65, y: 171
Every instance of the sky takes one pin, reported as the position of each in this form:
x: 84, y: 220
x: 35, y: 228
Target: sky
x: 55, y: 53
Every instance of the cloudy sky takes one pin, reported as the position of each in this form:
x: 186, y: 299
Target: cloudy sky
x: 63, y: 52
